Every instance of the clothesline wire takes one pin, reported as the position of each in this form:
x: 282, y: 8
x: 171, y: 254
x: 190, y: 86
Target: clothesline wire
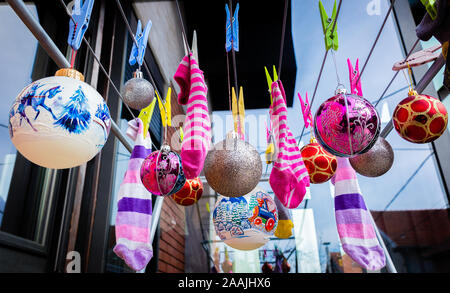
x: 283, y: 33
x: 98, y: 61
x: 396, y: 73
x: 410, y: 178
x: 376, y: 40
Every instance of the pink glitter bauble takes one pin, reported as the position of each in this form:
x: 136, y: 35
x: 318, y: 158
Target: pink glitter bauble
x: 346, y: 125
x: 162, y: 174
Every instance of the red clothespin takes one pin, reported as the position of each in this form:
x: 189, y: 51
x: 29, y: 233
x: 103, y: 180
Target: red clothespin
x: 355, y: 81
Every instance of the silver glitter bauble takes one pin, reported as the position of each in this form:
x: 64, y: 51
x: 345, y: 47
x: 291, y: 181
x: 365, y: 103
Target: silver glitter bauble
x: 377, y: 161
x: 137, y: 92
x: 233, y: 167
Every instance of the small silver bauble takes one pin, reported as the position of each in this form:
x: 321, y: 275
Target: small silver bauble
x: 377, y: 161
x: 233, y: 167
x: 137, y: 92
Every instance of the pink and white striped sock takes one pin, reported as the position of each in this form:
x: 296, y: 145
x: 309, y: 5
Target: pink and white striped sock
x: 354, y: 223
x: 289, y: 177
x: 134, y: 211
x: 197, y: 126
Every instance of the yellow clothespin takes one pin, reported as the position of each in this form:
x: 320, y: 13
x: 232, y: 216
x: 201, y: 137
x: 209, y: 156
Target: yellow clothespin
x: 241, y: 112
x: 207, y: 208
x: 146, y: 116
x: 165, y: 108
x: 270, y: 81
x: 234, y: 109
x: 181, y: 134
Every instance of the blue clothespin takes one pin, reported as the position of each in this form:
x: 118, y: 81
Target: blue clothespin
x: 232, y: 29
x: 331, y: 37
x: 137, y: 53
x: 82, y: 16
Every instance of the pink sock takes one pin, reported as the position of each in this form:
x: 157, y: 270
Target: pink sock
x: 134, y: 211
x: 354, y: 223
x: 197, y: 126
x: 289, y: 177
x: 182, y: 77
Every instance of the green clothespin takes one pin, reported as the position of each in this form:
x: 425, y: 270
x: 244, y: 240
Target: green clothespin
x: 146, y: 115
x: 430, y: 5
x: 270, y: 81
x: 331, y: 37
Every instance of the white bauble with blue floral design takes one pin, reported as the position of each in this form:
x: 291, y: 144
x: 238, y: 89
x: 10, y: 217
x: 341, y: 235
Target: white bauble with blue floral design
x: 59, y: 122
x: 246, y: 222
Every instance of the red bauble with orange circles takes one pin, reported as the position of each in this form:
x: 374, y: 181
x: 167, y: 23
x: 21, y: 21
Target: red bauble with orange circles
x: 190, y: 193
x: 420, y: 118
x: 321, y: 165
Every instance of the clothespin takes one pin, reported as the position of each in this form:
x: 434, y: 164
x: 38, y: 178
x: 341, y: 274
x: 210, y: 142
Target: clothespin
x: 331, y: 37
x: 232, y: 30
x: 81, y: 15
x: 354, y: 77
x: 270, y: 81
x: 138, y: 52
x: 181, y: 134
x: 419, y: 58
x: 306, y: 110
x: 430, y: 6
x: 146, y: 116
x: 234, y: 109
x: 165, y: 108
x: 270, y: 150
x: 241, y: 113
x: 208, y: 208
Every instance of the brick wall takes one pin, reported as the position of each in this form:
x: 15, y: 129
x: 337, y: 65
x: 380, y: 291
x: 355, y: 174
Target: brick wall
x: 172, y: 220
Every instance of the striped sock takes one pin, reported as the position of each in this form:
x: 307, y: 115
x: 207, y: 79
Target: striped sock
x: 289, y: 177
x: 354, y: 223
x: 181, y: 76
x: 134, y: 212
x: 197, y: 126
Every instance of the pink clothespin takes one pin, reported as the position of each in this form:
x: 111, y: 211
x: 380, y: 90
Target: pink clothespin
x: 268, y: 132
x: 418, y: 58
x: 354, y: 76
x: 306, y: 110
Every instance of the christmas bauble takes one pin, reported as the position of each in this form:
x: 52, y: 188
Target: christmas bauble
x: 161, y: 172
x: 420, y: 118
x: 137, y: 92
x: 321, y: 164
x: 246, y: 222
x: 346, y: 125
x: 233, y: 167
x: 60, y: 121
x: 190, y: 193
x: 377, y: 161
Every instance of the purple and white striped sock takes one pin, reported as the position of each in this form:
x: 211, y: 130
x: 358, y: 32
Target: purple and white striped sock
x: 354, y: 223
x: 134, y: 211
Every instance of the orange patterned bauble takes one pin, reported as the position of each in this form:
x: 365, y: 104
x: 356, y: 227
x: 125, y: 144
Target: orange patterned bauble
x: 321, y: 164
x: 190, y: 193
x: 420, y: 118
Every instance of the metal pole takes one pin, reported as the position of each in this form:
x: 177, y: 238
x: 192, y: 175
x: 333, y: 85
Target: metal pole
x: 53, y: 51
x: 421, y: 85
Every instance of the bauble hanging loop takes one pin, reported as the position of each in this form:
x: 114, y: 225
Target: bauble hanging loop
x: 59, y: 122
